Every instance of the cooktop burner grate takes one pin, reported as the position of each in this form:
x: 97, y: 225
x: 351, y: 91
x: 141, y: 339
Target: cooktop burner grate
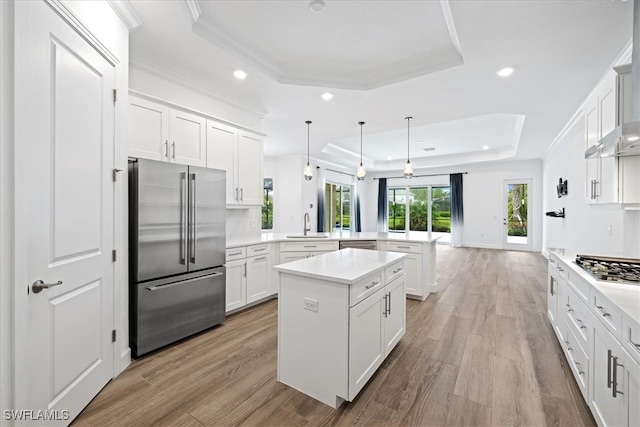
x: 611, y: 269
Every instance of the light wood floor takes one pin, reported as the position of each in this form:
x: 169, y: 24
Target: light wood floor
x: 480, y: 352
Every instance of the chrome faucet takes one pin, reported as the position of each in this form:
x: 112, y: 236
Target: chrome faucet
x: 307, y: 223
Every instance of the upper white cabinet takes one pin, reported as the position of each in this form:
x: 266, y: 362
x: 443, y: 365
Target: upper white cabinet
x: 601, y: 118
x: 240, y: 154
x: 158, y: 132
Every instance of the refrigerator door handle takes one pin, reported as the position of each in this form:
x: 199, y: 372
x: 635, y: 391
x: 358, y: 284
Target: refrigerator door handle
x: 194, y: 219
x: 183, y: 218
x: 183, y: 282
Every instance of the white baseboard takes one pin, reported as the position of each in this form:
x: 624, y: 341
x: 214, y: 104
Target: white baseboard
x: 125, y: 360
x: 481, y: 246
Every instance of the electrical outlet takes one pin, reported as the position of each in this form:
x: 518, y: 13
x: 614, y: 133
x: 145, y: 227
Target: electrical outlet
x: 311, y: 304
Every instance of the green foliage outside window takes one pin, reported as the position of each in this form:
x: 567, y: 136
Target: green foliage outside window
x: 517, y: 196
x: 267, y: 204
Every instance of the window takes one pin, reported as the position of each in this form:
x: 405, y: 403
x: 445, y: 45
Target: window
x: 338, y: 207
x: 267, y: 204
x: 429, y: 209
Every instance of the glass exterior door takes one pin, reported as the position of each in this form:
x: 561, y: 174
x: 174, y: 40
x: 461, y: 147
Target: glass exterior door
x: 515, y: 221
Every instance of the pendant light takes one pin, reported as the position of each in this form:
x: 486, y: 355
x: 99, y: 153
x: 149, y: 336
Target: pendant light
x: 308, y: 173
x: 360, y: 173
x: 408, y: 169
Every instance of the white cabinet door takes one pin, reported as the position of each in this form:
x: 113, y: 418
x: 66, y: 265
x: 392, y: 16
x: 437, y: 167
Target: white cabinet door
x: 258, y: 278
x: 221, y: 153
x: 236, y: 289
x: 606, y: 407
x: 631, y: 409
x: 395, y: 316
x: 187, y: 136
x: 148, y: 129
x: 250, y: 169
x: 366, y: 341
x: 591, y: 138
x: 413, y: 266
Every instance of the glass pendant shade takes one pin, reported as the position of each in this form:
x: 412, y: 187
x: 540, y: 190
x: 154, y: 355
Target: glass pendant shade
x: 408, y: 169
x: 308, y: 172
x: 361, y: 173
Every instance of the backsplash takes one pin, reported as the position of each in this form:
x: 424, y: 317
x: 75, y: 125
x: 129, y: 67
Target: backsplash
x: 242, y: 223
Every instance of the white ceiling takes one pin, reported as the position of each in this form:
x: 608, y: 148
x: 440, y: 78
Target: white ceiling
x: 385, y: 60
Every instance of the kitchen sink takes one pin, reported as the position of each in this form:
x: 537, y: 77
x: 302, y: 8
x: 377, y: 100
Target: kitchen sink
x: 308, y: 236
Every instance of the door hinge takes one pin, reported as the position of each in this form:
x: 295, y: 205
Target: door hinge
x: 115, y: 174
x: 113, y: 255
x: 115, y: 95
x: 113, y: 335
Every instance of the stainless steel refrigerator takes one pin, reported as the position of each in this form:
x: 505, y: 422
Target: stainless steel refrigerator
x: 176, y: 252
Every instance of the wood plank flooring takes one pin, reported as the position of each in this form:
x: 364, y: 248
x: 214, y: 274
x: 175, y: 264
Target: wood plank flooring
x: 479, y: 352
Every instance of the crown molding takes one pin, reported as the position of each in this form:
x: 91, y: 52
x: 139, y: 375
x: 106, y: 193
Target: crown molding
x: 172, y: 76
x: 126, y: 13
x: 193, y: 10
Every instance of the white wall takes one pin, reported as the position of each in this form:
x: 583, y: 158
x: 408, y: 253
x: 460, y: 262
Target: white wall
x: 483, y: 199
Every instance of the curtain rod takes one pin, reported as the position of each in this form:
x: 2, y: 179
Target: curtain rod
x: 418, y: 176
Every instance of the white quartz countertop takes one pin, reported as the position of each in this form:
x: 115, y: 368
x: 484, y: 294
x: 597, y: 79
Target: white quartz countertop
x: 346, y: 266
x: 412, y: 236
x: 625, y: 296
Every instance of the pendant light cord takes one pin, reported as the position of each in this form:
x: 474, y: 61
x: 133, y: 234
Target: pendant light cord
x: 360, y: 123
x: 408, y: 119
x: 308, y: 122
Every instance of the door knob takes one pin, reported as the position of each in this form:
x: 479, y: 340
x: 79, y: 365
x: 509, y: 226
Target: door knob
x: 39, y: 285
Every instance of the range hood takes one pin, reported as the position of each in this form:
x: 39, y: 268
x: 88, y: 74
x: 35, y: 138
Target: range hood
x: 624, y: 140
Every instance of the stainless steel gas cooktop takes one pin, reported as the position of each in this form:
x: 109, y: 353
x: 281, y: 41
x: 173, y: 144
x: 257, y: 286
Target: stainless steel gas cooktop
x: 626, y: 270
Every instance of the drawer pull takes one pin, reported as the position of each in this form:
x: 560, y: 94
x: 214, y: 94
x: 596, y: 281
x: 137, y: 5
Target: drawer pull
x: 235, y: 253
x: 568, y: 344
x: 560, y: 269
x: 397, y: 270
x: 404, y: 247
x: 260, y: 250
x: 631, y: 341
x: 579, y: 366
x: 371, y: 285
x: 310, y: 246
x: 259, y: 258
x: 608, y: 368
x: 602, y: 312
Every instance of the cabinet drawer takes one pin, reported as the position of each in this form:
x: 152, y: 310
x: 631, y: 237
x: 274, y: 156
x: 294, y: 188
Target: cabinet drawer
x: 254, y: 250
x: 578, y: 360
x: 631, y: 338
x: 415, y: 248
x: 308, y: 246
x: 607, y: 313
x: 560, y: 267
x: 393, y: 271
x: 577, y: 316
x: 580, y: 286
x: 236, y: 253
x: 365, y: 287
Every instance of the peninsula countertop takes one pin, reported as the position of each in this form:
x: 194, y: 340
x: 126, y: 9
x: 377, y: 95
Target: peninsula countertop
x: 412, y: 236
x: 346, y: 266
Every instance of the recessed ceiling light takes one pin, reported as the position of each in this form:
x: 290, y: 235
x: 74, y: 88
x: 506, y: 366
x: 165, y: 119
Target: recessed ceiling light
x: 327, y: 96
x: 239, y: 74
x: 485, y: 147
x: 505, y: 72
x: 317, y: 5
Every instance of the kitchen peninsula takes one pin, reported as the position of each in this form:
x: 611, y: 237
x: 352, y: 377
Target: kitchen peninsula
x: 340, y: 314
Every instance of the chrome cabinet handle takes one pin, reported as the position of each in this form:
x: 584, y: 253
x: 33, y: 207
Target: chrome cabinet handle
x: 310, y: 246
x: 260, y: 249
x: 389, y: 303
x: 241, y: 194
x: 235, y: 253
x: 371, y: 285
x: 166, y: 148
x: 173, y: 148
x: 580, y: 371
x: 602, y: 312
x: 259, y: 258
x: 39, y: 285
x: 581, y: 325
x: 560, y: 269
x: 551, y: 286
x: 595, y: 192
x: 614, y: 381
x: 237, y: 198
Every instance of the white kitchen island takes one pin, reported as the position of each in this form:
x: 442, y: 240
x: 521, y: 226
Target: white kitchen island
x: 339, y: 315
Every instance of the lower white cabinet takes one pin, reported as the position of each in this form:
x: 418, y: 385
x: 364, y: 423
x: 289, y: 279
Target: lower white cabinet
x: 420, y: 266
x: 598, y: 341
x: 248, y: 275
x: 292, y: 251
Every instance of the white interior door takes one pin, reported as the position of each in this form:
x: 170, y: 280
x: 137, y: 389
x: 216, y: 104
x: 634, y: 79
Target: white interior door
x: 65, y: 125
x: 516, y: 225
